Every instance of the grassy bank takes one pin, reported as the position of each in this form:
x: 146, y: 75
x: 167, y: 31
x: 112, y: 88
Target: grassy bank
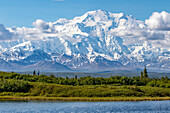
x: 92, y: 99
x: 49, y: 90
x: 31, y: 87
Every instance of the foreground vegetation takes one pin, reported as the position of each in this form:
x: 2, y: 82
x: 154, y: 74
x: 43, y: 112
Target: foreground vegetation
x: 85, y: 98
x: 17, y: 86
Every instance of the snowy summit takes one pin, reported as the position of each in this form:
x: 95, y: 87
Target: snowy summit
x: 96, y: 41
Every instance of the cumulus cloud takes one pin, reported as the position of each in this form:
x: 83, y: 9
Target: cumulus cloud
x: 5, y: 34
x: 155, y: 30
x: 159, y: 21
x: 154, y: 35
x: 43, y: 26
x: 137, y: 31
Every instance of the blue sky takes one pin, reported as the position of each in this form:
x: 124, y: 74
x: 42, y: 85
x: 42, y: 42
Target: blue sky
x: 24, y: 12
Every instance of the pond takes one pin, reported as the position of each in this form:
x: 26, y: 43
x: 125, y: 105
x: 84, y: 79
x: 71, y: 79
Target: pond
x: 84, y: 107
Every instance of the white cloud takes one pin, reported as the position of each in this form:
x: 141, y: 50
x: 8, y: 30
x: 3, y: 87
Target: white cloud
x: 159, y: 21
x: 43, y: 26
x: 5, y: 34
x: 155, y: 35
x: 130, y: 30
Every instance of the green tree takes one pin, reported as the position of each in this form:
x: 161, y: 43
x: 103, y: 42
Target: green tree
x: 34, y: 72
x: 67, y: 78
x: 141, y: 75
x: 145, y: 73
x: 162, y: 78
x: 52, y: 75
x: 166, y: 78
x: 38, y: 73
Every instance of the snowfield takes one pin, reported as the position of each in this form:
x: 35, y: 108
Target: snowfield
x: 98, y: 40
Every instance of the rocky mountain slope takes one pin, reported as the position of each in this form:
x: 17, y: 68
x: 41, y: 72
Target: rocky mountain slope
x: 97, y: 41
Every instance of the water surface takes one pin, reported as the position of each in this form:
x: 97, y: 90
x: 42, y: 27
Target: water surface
x: 84, y: 107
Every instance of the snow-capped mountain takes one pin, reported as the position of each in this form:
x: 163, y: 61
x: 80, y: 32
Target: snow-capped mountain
x: 97, y: 41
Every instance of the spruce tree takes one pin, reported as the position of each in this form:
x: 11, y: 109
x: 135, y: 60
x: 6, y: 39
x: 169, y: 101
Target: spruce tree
x: 38, y: 73
x: 145, y: 74
x: 34, y: 72
x: 52, y: 75
x: 67, y: 78
x: 166, y: 78
x: 141, y: 75
x: 162, y: 78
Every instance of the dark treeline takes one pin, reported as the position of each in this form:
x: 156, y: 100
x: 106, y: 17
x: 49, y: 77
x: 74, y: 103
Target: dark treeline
x: 143, y: 80
x: 14, y: 86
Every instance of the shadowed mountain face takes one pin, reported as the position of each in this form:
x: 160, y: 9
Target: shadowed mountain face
x: 47, y: 66
x: 4, y: 66
x: 97, y: 41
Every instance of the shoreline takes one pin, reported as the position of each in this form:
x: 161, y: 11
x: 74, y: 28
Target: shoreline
x: 86, y: 99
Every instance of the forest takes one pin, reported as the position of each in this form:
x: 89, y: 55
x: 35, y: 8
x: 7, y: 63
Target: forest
x: 14, y: 84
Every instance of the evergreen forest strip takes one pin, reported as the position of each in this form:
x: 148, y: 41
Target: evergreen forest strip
x: 14, y: 86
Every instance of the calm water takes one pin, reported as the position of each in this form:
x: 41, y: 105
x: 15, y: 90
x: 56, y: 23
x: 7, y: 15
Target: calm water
x: 84, y: 107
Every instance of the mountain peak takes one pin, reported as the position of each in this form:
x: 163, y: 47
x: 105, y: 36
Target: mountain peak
x: 99, y: 11
x: 101, y: 15
x: 106, y: 13
x: 96, y: 35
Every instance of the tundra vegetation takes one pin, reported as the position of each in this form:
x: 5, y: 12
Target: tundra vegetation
x: 25, y: 85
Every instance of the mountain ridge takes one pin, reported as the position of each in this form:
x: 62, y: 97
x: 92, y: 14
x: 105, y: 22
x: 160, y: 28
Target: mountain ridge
x: 98, y: 40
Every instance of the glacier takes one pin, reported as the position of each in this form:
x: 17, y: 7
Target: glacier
x: 96, y: 41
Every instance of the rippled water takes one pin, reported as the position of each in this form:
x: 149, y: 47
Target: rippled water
x: 84, y: 107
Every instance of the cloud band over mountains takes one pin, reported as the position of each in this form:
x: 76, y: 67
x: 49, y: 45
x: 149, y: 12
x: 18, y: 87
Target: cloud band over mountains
x: 156, y: 28
x: 159, y: 21
x: 5, y: 34
x: 43, y: 26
